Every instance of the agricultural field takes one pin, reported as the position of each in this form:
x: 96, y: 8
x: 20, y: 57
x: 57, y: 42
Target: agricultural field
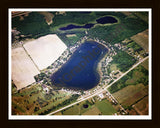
x: 45, y: 50
x: 103, y: 107
x: 130, y: 94
x: 93, y: 111
x: 142, y: 39
x: 131, y: 91
x: 35, y: 100
x: 142, y: 15
x: 142, y: 106
x: 23, y: 69
x: 145, y: 64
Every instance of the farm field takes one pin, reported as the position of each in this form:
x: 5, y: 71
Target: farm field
x: 23, y: 69
x: 93, y: 111
x: 142, y: 106
x: 105, y: 107
x: 45, y: 50
x: 145, y: 64
x: 143, y: 16
x: 142, y: 39
x: 130, y: 94
x: 99, y: 108
x: 35, y: 100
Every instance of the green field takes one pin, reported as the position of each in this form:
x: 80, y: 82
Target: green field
x: 93, y: 111
x: 99, y: 108
x: 105, y: 107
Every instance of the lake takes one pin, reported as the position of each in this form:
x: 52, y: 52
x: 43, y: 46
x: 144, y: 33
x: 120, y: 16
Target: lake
x: 102, y: 20
x: 80, y: 71
x: 106, y: 20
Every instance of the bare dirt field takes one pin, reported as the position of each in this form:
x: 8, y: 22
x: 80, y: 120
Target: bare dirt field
x: 23, y: 69
x: 45, y: 50
x: 142, y: 106
x: 142, y: 39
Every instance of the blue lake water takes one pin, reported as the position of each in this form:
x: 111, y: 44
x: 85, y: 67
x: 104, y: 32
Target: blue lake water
x: 80, y: 71
x: 106, y: 19
x: 102, y: 20
x: 71, y: 26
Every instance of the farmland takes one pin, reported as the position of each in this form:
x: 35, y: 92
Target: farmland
x: 142, y: 106
x: 145, y: 64
x: 22, y: 75
x: 103, y: 107
x: 142, y: 39
x: 35, y: 100
x: 132, y: 91
x: 130, y: 94
x: 45, y: 50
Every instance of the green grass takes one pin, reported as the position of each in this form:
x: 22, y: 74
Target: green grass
x: 105, y: 107
x: 74, y: 110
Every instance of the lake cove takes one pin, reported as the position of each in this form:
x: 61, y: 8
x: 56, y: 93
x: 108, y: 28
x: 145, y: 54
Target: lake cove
x: 102, y: 20
x: 80, y: 71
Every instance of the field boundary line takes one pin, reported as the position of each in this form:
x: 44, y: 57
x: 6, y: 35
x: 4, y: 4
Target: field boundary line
x: 100, y: 90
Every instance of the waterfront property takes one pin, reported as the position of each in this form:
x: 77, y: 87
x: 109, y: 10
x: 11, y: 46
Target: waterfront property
x: 80, y: 71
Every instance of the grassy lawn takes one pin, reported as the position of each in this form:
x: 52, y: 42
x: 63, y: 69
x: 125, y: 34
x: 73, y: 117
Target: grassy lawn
x: 105, y: 107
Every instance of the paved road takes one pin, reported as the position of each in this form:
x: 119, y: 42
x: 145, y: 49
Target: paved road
x: 100, y: 90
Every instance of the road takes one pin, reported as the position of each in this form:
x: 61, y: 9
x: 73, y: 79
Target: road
x: 100, y: 90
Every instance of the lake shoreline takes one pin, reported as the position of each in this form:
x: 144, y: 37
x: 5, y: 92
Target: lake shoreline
x: 97, y: 69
